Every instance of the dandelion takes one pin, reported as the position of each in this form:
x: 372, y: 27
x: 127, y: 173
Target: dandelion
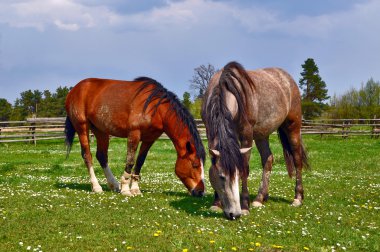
x: 306, y: 248
x: 234, y: 248
x: 185, y: 250
x: 212, y: 241
x: 277, y: 246
x: 258, y: 244
x: 129, y: 248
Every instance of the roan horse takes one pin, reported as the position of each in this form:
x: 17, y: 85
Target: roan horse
x: 241, y: 106
x: 140, y: 110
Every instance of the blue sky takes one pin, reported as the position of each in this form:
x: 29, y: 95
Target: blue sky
x: 49, y: 43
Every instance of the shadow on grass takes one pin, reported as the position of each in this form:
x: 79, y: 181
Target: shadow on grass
x: 197, y: 206
x: 77, y: 186
x: 279, y: 200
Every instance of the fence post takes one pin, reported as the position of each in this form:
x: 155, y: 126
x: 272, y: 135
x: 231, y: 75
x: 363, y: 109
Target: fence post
x: 32, y: 129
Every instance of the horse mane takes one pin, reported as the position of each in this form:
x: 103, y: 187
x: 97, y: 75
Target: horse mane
x: 160, y: 93
x: 219, y: 120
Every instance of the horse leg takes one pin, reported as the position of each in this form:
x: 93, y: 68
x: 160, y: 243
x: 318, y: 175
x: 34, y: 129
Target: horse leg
x: 102, y: 140
x: 266, y: 161
x: 247, y: 143
x: 297, y: 151
x: 126, y: 178
x: 83, y: 134
x: 143, y: 152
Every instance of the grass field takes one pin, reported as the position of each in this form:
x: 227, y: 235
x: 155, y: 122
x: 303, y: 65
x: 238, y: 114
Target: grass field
x: 46, y: 203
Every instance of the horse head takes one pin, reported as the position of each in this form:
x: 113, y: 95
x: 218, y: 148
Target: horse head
x: 189, y: 169
x: 226, y: 184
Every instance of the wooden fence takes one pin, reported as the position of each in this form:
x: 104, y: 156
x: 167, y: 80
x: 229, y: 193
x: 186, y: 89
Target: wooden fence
x: 35, y: 129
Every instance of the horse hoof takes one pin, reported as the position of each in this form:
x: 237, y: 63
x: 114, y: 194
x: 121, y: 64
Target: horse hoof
x: 216, y: 209
x: 127, y: 193
x: 257, y: 204
x: 97, y: 189
x: 114, y: 187
x: 136, y: 192
x: 297, y: 203
x: 244, y: 212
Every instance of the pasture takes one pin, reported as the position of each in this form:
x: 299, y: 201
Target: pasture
x: 46, y: 203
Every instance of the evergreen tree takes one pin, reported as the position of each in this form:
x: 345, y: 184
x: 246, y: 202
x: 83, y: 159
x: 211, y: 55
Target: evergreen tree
x: 314, y: 90
x: 186, y: 100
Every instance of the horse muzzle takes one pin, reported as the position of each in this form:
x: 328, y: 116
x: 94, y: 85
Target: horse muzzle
x: 231, y: 215
x: 197, y: 193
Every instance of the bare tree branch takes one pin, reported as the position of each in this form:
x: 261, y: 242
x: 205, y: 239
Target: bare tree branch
x: 202, y: 76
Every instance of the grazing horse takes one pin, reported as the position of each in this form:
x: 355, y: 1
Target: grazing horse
x: 241, y: 106
x: 140, y: 110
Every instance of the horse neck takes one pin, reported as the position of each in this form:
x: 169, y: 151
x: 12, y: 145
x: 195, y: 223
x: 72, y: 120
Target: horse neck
x: 176, y: 130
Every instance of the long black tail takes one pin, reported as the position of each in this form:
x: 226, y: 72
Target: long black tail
x: 288, y: 153
x: 70, y: 133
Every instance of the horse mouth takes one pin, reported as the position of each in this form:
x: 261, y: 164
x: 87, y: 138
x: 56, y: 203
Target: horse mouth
x: 197, y: 193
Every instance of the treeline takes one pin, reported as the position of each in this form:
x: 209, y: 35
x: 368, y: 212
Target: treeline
x: 35, y: 104
x: 363, y: 103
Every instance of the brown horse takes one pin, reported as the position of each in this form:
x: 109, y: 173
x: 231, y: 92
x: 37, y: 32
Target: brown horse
x: 140, y: 110
x: 241, y: 106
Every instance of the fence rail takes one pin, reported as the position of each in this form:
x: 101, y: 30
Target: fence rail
x: 35, y: 129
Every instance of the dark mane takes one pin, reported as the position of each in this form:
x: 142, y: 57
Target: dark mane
x: 218, y: 118
x: 158, y: 92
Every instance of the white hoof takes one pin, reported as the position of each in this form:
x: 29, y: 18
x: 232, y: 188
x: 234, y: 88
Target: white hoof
x: 136, y: 192
x: 297, y: 203
x: 244, y: 212
x: 127, y: 193
x: 97, y: 189
x: 216, y: 209
x: 257, y: 204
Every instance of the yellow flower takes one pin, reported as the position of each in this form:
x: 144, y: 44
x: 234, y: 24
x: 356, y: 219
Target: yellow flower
x: 258, y: 244
x: 277, y: 246
x: 185, y: 250
x: 212, y: 241
x: 156, y: 235
x: 129, y: 248
x: 251, y: 249
x: 234, y: 248
x: 306, y: 248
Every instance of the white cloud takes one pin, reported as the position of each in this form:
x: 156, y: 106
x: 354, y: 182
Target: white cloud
x: 63, y: 14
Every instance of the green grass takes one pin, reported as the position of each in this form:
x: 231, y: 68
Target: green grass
x: 46, y: 203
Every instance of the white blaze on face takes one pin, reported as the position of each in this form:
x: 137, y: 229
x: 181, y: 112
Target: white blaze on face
x: 233, y: 197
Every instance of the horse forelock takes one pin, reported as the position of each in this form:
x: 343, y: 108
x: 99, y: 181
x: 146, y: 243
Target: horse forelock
x: 183, y: 116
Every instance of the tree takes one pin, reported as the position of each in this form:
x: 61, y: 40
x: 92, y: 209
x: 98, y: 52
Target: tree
x: 186, y: 100
x: 314, y: 90
x: 201, y: 78
x: 362, y: 103
x: 5, y: 110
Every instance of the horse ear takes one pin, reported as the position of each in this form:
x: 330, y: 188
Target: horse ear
x: 245, y: 150
x: 214, y: 152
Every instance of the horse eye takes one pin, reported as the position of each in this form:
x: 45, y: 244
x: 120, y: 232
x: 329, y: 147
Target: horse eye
x: 222, y: 177
x: 213, y: 160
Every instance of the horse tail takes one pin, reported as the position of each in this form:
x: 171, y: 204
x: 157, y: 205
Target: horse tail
x: 289, y: 155
x: 69, y: 133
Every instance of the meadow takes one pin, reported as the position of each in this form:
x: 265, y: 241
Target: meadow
x: 46, y: 203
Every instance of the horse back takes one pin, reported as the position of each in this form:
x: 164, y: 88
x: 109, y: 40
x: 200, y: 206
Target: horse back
x: 275, y: 97
x: 111, y: 106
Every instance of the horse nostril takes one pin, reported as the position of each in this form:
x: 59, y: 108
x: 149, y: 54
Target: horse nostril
x: 232, y: 216
x: 197, y: 193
